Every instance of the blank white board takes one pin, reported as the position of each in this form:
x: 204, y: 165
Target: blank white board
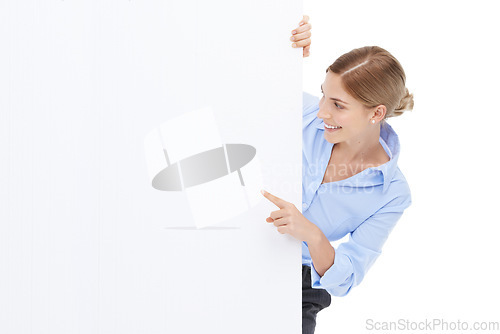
x: 88, y: 244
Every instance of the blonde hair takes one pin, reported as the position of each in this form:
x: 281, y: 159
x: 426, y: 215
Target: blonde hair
x: 373, y: 76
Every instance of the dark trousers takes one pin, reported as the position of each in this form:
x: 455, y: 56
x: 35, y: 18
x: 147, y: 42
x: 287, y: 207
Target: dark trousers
x: 313, y: 301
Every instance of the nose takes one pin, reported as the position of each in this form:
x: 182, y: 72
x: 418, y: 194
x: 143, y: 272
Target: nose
x: 322, y: 113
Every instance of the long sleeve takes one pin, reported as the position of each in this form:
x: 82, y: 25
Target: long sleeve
x: 354, y: 257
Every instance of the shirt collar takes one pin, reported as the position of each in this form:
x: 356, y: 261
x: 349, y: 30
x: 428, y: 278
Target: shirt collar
x: 390, y: 142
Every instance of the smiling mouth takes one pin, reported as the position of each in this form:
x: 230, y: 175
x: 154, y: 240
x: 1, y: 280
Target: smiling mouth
x: 328, y: 126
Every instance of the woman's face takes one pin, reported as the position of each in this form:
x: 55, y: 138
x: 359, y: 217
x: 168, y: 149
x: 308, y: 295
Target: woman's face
x: 338, y: 108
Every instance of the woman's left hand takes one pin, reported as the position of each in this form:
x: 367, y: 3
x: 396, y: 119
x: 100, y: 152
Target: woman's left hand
x: 290, y: 220
x: 301, y: 36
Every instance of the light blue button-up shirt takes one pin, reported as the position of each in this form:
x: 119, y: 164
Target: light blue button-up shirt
x: 366, y: 205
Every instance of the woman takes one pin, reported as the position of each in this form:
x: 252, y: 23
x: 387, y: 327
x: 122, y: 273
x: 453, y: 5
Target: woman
x: 351, y: 182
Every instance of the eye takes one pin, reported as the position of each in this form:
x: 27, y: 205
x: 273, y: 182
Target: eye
x: 338, y: 106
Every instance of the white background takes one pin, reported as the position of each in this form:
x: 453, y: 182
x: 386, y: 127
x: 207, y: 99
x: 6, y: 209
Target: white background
x: 441, y: 260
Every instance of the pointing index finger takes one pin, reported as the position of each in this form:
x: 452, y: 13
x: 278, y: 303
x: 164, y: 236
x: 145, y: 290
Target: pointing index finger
x: 276, y: 200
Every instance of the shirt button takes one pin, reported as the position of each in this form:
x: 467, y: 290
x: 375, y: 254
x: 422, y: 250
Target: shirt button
x: 304, y: 205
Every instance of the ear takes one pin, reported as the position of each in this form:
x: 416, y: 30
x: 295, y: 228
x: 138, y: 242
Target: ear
x: 378, y: 113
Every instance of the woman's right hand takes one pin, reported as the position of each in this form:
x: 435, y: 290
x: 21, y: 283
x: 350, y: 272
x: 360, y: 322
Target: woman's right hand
x: 301, y: 36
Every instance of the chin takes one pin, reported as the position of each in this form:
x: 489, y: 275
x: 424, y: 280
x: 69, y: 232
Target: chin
x: 330, y: 140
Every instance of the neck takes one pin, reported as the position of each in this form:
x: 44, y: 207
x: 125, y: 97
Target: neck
x: 359, y: 149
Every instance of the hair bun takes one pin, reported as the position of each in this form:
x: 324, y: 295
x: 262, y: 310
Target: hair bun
x: 406, y: 103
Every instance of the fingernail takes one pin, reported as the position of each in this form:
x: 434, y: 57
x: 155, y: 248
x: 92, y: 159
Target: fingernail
x: 294, y: 32
x: 293, y: 38
x: 294, y: 45
x: 301, y: 23
x: 262, y: 192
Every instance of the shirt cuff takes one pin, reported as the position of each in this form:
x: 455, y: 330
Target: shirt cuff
x: 337, y: 280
